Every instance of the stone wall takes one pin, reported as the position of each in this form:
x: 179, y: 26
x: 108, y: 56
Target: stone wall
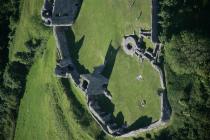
x: 103, y: 118
x: 158, y: 69
x: 60, y: 12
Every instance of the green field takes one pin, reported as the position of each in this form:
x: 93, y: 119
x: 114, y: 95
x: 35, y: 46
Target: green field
x: 51, y: 109
x: 45, y: 110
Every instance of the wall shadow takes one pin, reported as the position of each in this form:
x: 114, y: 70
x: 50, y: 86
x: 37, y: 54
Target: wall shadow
x: 110, y: 60
x: 74, y: 48
x: 166, y: 108
x: 79, y: 8
x: 78, y: 109
x: 140, y: 123
x: 107, y: 106
x: 120, y: 118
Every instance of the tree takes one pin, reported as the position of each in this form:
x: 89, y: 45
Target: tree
x: 25, y: 57
x: 189, y: 53
x: 14, y: 75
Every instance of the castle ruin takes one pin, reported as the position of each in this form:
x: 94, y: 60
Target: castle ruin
x: 61, y: 14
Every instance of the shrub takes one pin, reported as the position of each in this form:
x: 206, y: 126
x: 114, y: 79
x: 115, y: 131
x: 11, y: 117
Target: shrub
x: 14, y: 75
x: 25, y: 57
x: 33, y: 44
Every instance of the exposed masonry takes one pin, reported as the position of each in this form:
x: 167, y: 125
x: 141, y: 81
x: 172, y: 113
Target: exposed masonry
x: 62, y: 13
x: 59, y: 12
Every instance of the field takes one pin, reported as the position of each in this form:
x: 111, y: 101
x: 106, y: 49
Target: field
x: 52, y: 108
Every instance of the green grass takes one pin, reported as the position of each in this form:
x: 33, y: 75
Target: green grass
x: 27, y: 27
x: 46, y: 111
x: 128, y: 92
x: 107, y: 21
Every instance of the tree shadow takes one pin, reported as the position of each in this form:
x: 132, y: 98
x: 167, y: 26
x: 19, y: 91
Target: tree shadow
x: 101, y: 136
x: 74, y: 48
x: 140, y: 123
x: 164, y: 135
x: 139, y: 138
x: 110, y: 60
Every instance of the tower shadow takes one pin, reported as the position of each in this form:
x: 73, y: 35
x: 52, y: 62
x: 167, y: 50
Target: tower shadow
x: 110, y: 60
x: 108, y: 106
x: 74, y: 48
x: 141, y: 122
x: 80, y: 2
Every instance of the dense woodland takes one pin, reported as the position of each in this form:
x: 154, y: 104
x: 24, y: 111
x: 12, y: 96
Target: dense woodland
x: 12, y: 73
x: 9, y: 15
x: 184, y: 29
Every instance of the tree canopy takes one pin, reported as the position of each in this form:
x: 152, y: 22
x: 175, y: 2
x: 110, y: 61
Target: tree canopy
x: 188, y: 53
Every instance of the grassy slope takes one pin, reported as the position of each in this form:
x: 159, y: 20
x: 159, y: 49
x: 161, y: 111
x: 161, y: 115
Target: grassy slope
x: 45, y: 111
x: 128, y: 92
x: 27, y: 29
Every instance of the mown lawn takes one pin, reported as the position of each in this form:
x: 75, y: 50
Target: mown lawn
x: 128, y: 92
x: 105, y: 22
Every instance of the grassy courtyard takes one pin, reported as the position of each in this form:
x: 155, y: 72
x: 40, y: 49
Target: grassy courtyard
x: 100, y: 25
x: 105, y: 22
x: 128, y: 92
